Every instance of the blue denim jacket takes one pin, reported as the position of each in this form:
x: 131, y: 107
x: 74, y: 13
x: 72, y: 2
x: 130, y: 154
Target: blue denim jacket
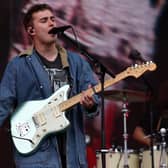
x: 25, y: 79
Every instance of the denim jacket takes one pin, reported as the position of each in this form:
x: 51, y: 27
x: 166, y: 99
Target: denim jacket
x: 25, y: 79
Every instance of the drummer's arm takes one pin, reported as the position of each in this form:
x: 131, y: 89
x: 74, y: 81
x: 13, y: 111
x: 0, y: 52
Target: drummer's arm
x: 139, y: 135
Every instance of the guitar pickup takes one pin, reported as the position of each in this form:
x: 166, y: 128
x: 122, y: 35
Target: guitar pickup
x: 39, y: 119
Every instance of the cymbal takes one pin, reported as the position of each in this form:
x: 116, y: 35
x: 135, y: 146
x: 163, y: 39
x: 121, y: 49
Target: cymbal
x: 126, y: 95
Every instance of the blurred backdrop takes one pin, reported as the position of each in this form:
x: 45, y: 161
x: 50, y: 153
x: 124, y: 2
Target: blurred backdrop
x: 108, y: 30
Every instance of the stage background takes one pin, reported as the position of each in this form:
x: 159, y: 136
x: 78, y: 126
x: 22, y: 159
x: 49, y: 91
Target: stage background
x: 108, y: 30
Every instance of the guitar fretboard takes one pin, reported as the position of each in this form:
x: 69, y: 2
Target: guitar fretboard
x: 136, y: 71
x: 96, y: 89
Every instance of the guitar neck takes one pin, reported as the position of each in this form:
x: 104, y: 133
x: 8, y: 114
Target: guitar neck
x: 136, y: 71
x: 96, y: 89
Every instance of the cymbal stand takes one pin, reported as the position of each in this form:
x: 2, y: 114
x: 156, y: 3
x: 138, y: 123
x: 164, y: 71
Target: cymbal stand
x: 125, y: 135
x: 163, y: 156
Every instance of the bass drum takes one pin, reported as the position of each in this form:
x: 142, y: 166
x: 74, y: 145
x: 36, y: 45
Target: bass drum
x: 146, y: 157
x: 114, y: 159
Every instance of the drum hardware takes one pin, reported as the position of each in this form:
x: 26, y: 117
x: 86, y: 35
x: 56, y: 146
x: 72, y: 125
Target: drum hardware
x: 159, y: 152
x: 125, y: 96
x: 145, y: 157
x: 125, y: 135
x: 130, y: 95
x: 115, y: 158
x: 163, y: 156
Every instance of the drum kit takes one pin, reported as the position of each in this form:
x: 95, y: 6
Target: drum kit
x: 127, y: 158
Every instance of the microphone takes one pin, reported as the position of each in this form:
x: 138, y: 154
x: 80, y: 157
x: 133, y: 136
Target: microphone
x: 56, y: 30
x: 136, y: 55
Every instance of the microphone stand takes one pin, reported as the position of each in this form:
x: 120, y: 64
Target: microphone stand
x: 150, y: 91
x: 136, y: 57
x: 100, y: 71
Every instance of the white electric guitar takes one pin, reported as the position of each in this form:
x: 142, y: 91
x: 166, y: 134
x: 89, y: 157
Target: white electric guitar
x: 34, y: 120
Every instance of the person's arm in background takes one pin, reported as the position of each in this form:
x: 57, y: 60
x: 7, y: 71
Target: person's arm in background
x: 140, y: 136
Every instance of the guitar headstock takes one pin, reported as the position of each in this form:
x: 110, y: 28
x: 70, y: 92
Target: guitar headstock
x: 138, y: 69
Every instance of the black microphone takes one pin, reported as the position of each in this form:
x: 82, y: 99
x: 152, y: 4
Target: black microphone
x: 56, y: 30
x: 136, y: 55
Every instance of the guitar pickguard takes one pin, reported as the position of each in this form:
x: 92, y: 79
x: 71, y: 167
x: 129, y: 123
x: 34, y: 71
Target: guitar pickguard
x: 34, y: 120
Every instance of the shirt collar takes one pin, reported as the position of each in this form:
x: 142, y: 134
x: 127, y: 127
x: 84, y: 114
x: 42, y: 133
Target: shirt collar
x: 62, y: 51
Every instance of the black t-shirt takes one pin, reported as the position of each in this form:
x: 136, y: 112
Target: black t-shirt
x: 58, y: 78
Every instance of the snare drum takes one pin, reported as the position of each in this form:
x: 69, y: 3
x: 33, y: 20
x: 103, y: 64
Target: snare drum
x: 114, y: 159
x: 146, y: 157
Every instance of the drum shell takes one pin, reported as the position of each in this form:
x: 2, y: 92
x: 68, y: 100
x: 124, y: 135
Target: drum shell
x: 115, y: 159
x: 147, y: 159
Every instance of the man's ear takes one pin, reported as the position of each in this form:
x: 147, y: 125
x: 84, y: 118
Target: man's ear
x: 30, y: 30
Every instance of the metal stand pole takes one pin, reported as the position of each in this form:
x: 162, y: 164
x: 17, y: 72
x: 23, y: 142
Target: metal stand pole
x: 125, y: 135
x: 163, y: 156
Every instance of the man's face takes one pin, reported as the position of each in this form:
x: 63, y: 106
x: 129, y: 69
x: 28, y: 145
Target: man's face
x: 43, y: 21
